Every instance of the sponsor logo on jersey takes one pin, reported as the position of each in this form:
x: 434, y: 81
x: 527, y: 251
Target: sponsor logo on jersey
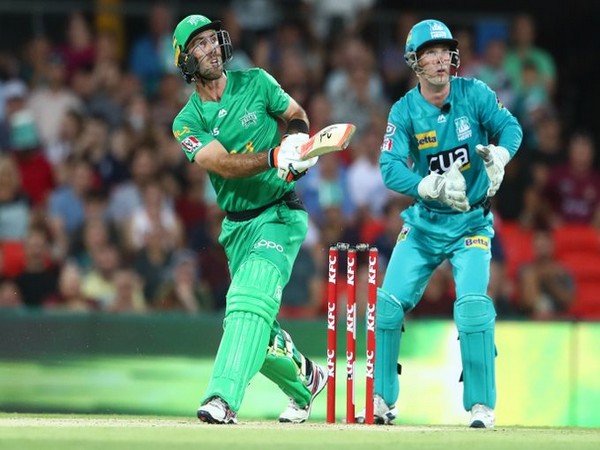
x: 478, y: 241
x: 426, y: 140
x: 441, y: 118
x: 248, y: 119
x: 269, y: 244
x: 191, y: 144
x: 222, y: 113
x: 390, y: 129
x: 215, y: 131
x: 463, y: 128
x: 179, y: 133
x: 441, y: 162
x: 387, y: 145
x: 403, y: 233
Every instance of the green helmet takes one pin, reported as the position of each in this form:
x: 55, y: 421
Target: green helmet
x: 187, y: 29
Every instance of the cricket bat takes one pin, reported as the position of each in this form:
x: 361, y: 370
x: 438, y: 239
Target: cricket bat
x: 332, y: 138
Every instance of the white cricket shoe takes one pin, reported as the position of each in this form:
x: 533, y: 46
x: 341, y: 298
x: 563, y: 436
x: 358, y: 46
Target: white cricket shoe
x: 482, y: 416
x: 294, y: 413
x: 383, y: 414
x: 216, y: 410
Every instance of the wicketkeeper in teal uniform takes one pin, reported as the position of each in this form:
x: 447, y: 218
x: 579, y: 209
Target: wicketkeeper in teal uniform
x: 438, y: 148
x: 229, y: 127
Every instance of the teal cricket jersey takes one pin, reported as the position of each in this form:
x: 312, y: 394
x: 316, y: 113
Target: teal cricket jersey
x: 245, y: 120
x: 421, y: 138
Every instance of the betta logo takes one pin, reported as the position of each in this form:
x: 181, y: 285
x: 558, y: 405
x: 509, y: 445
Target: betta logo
x: 426, y: 140
x: 478, y: 241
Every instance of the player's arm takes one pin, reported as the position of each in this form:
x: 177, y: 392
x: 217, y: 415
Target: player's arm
x: 393, y: 160
x: 295, y: 118
x: 215, y: 158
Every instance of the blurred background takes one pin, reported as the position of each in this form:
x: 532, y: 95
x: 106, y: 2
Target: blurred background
x: 112, y: 283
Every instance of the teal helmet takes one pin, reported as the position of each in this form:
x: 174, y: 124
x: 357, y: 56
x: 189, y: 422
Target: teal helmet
x: 427, y: 33
x: 185, y: 31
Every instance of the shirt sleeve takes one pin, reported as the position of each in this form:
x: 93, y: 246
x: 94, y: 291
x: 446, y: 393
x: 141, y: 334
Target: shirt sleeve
x: 190, y: 135
x: 395, y: 153
x: 498, y: 121
x: 277, y: 99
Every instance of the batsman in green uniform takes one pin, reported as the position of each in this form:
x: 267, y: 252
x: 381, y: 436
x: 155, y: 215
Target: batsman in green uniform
x: 229, y: 127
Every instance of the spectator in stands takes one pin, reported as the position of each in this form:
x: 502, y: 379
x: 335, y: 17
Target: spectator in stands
x: 355, y: 89
x: 546, y: 288
x: 94, y: 234
x: 51, y: 101
x: 572, y: 193
x: 127, y: 197
x: 14, y: 205
x: 128, y: 296
x: 491, y: 71
x: 326, y: 185
x: 152, y: 263
x: 99, y: 280
x: 365, y: 184
x: 39, y: 280
x: 78, y: 49
x: 397, y: 76
x: 10, y: 295
x: 523, y: 49
x: 69, y: 296
x: 155, y: 215
x: 152, y: 54
x: 70, y: 132
x: 183, y: 290
x: 37, y: 179
x: 14, y: 93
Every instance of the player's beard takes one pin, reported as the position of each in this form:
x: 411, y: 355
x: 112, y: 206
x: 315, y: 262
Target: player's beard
x: 211, y: 67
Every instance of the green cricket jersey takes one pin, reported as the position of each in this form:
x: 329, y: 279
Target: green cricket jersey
x: 245, y: 120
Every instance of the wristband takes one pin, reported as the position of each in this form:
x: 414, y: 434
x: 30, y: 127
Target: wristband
x: 296, y: 126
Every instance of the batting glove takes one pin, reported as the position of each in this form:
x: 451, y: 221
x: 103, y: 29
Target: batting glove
x: 495, y: 158
x: 286, y: 158
x: 449, y: 188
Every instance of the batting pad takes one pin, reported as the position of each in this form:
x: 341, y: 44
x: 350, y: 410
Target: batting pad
x: 241, y: 354
x: 475, y: 317
x: 388, y: 332
x: 252, y: 305
x: 256, y: 287
x: 285, y: 366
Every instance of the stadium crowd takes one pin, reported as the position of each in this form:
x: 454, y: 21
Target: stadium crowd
x: 100, y: 210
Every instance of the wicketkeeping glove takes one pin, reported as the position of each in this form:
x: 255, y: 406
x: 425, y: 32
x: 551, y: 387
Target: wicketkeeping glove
x: 286, y: 158
x: 494, y: 158
x: 449, y: 188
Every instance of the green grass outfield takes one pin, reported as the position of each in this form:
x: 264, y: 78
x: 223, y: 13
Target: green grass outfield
x: 77, y: 432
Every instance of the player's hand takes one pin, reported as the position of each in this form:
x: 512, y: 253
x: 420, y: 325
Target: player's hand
x: 495, y: 158
x: 286, y: 158
x: 450, y: 188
